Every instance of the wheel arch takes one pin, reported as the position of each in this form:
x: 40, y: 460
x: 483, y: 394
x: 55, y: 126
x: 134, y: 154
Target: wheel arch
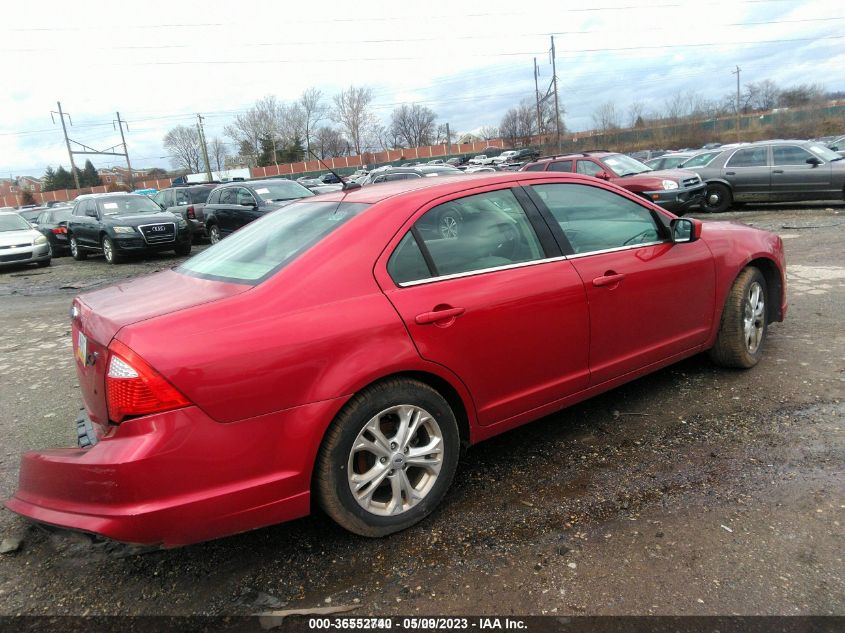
x: 774, y: 286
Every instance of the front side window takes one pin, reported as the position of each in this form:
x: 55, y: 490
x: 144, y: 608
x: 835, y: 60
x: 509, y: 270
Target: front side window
x: 749, y: 157
x: 245, y: 197
x: 478, y: 232
x: 594, y: 219
x: 263, y: 247
x: 588, y: 168
x: 790, y: 155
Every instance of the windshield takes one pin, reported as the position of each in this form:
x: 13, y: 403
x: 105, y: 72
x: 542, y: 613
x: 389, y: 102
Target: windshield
x: 700, y: 160
x: 127, y: 205
x: 13, y: 222
x: 825, y: 153
x: 281, y: 190
x: 265, y: 246
x: 625, y: 165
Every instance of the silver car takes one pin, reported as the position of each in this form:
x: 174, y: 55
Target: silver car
x: 20, y: 243
x: 771, y: 171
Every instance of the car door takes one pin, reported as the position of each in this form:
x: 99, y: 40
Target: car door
x: 793, y: 178
x: 226, y: 210
x: 749, y: 173
x: 649, y: 299
x: 86, y: 232
x: 247, y: 208
x: 493, y: 303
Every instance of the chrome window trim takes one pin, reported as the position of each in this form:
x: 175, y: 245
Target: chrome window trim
x: 812, y: 155
x: 534, y: 262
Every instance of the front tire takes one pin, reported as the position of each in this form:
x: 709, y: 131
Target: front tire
x: 109, y: 251
x: 744, y: 324
x: 76, y: 250
x: 388, y: 458
x: 717, y: 198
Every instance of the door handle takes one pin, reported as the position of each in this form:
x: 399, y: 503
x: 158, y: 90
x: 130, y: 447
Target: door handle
x: 438, y: 315
x: 730, y: 173
x: 777, y: 171
x: 610, y: 278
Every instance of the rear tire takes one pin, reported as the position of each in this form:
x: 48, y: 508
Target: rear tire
x: 213, y: 234
x: 717, y: 198
x: 76, y: 251
x: 744, y: 324
x: 396, y: 443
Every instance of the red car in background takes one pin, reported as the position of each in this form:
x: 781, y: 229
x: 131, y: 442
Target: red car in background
x: 676, y: 190
x: 341, y: 350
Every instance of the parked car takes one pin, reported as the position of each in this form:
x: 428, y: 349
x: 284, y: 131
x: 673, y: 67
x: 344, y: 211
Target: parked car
x: 120, y: 224
x: 772, y: 171
x: 20, y: 243
x: 457, y: 161
x: 390, y: 174
x: 838, y: 145
x: 481, y: 159
x: 30, y: 213
x: 189, y: 203
x: 56, y: 203
x: 338, y: 355
x: 436, y: 161
x: 504, y: 157
x: 675, y: 190
x: 52, y: 224
x: 236, y: 204
x: 669, y: 161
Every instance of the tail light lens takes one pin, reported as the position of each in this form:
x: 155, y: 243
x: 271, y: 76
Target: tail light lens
x: 60, y: 230
x: 135, y: 388
x: 191, y: 213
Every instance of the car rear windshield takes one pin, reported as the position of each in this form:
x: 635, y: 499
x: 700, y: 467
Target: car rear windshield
x: 127, y: 205
x: 200, y: 195
x: 281, y: 190
x: 13, y: 222
x: 265, y: 246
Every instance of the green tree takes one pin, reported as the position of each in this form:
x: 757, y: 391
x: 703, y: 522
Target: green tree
x: 90, y: 177
x: 265, y: 155
x: 63, y: 179
x: 49, y: 180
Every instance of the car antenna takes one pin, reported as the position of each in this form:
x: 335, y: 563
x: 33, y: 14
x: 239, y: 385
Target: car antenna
x: 345, y: 186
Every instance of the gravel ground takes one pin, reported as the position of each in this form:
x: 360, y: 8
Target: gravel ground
x: 691, y: 491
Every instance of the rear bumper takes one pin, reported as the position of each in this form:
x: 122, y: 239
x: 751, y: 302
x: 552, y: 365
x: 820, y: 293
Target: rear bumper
x: 678, y: 201
x: 178, y: 477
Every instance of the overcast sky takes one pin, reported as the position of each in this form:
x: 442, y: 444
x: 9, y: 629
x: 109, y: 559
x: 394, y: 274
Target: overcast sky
x: 159, y: 63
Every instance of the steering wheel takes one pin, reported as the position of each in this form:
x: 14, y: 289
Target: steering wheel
x: 638, y: 236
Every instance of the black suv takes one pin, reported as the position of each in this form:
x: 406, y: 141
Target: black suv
x: 121, y: 223
x: 189, y: 202
x: 235, y: 204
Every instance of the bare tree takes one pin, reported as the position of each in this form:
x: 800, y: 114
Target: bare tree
x: 352, y: 112
x: 183, y: 144
x: 264, y: 119
x: 636, y: 111
x: 329, y: 142
x: 605, y: 117
x: 488, y: 131
x: 217, y: 153
x: 414, y: 124
x: 803, y: 94
x: 313, y: 111
x: 520, y: 123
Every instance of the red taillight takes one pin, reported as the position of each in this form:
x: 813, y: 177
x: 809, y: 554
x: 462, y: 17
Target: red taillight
x: 191, y: 213
x: 60, y: 230
x: 135, y: 388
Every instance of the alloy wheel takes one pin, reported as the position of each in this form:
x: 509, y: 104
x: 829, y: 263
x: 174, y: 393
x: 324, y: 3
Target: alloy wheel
x: 754, y: 317
x: 448, y: 227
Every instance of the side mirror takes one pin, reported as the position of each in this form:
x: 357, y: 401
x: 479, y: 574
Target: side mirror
x: 248, y: 203
x: 815, y: 162
x: 91, y: 213
x: 603, y: 175
x: 685, y: 230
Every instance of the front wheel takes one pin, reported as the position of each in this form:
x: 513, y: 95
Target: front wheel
x: 76, y: 250
x: 717, y: 198
x: 388, y: 458
x: 109, y: 251
x: 744, y: 324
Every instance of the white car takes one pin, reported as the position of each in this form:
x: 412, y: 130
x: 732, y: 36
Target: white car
x: 504, y: 157
x: 20, y: 243
x: 481, y: 159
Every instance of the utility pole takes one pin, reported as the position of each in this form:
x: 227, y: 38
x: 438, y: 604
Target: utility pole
x: 120, y: 125
x: 448, y: 141
x: 736, y: 72
x: 557, y: 107
x: 537, y: 94
x: 67, y: 141
x: 204, y: 147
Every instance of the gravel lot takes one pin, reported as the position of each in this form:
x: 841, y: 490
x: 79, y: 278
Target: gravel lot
x: 691, y: 491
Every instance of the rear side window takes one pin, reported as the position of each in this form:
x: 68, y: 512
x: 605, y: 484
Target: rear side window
x: 478, y: 232
x: 407, y: 262
x: 199, y: 196
x: 594, y: 219
x: 562, y: 165
x: 214, y: 197
x: 536, y: 167
x: 228, y: 196
x: 749, y: 157
x: 182, y: 197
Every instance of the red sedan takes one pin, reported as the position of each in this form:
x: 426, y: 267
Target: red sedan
x: 341, y: 350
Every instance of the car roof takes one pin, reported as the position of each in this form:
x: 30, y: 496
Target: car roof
x: 443, y: 185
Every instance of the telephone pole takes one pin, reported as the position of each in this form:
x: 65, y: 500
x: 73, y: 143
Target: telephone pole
x: 120, y: 125
x: 557, y: 107
x: 205, y: 147
x: 448, y: 141
x: 736, y: 72
x: 62, y: 116
x: 537, y: 94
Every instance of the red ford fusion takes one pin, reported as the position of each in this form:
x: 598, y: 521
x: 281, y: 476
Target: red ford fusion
x: 338, y: 353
